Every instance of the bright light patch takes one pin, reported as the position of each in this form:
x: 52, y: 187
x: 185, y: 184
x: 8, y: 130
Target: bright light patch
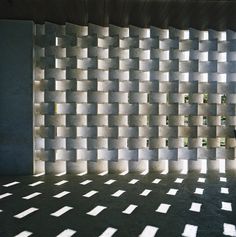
x: 172, y: 191
x: 103, y: 173
x: 185, y: 167
x: 201, y: 180
x: 108, y: 232
x: 61, y: 194
x: 226, y: 206
x: 185, y: 76
x: 57, y: 41
x: 26, y: 212
x: 40, y: 174
x: 222, y: 36
x: 190, y: 231
x: 166, y: 33
x: 179, y: 180
x: 205, y: 35
x: 111, y: 181
x: 11, y: 184
x: 166, y: 170
x: 147, y: 33
x: 224, y: 190
x: 95, y: 211
x: 5, y: 195
x: 61, y: 211
x: 58, y: 63
x: 144, y: 172
x: 118, y: 193
x: 145, y: 192
x: 61, y: 174
x: 86, y: 182
x: 24, y: 234
x: 81, y: 174
x: 149, y: 231
x: 146, y: 75
x: 124, y: 172
x: 186, y: 34
x: 66, y: 233
x: 90, y: 194
x: 204, y: 57
x: 196, y: 207
x: 199, y: 191
x: 204, y: 77
x: 129, y: 209
x: 156, y: 181
x: 229, y: 229
x: 36, y: 183
x: 165, y: 54
x: 222, y: 57
x: 223, y: 179
x: 222, y: 165
x: 163, y: 208
x: 222, y: 77
x: 61, y: 182
x: 146, y: 56
x: 203, y: 166
x: 133, y: 181
x: 31, y: 195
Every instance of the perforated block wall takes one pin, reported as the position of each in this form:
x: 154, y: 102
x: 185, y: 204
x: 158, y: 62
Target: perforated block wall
x: 133, y: 99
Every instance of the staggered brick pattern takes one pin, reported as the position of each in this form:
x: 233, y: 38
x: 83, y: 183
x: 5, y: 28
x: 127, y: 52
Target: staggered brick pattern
x: 116, y: 99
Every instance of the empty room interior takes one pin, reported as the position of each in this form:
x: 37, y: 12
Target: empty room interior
x: 117, y: 118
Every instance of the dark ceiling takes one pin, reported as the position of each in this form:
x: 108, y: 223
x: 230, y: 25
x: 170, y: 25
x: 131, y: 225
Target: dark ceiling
x: 200, y: 14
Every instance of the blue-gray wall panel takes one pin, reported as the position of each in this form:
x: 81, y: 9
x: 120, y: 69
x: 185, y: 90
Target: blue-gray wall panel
x: 16, y: 117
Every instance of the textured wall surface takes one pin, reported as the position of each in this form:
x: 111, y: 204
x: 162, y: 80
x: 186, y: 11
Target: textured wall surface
x: 111, y: 98
x: 16, y: 97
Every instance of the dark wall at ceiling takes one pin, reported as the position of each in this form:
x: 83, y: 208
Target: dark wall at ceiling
x: 200, y: 14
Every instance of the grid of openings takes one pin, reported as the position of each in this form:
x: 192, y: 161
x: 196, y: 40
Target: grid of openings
x: 111, y: 98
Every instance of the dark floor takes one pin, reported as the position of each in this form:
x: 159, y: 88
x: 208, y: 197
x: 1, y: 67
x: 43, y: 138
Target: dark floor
x: 210, y: 211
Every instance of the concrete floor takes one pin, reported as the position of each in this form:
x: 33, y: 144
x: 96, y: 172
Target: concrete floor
x: 210, y: 211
